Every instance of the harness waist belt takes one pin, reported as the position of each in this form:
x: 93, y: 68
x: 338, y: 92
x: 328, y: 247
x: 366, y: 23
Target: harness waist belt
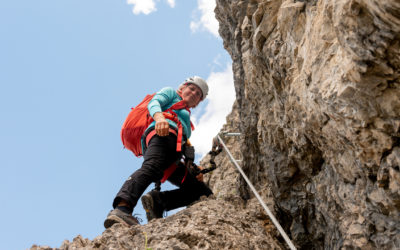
x: 153, y: 133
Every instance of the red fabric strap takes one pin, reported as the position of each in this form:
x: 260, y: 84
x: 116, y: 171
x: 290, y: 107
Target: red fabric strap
x: 192, y: 126
x: 174, y: 117
x: 168, y: 172
x: 179, y: 105
x: 179, y: 138
x: 184, y: 177
x: 153, y: 132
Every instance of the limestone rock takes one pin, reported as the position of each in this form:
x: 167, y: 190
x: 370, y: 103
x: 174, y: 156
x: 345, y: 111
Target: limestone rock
x: 208, y: 224
x: 318, y: 98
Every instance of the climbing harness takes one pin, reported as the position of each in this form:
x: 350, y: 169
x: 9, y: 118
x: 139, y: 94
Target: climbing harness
x: 189, y: 164
x: 274, y: 220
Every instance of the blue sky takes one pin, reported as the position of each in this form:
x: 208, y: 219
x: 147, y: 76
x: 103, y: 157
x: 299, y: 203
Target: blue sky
x: 69, y: 73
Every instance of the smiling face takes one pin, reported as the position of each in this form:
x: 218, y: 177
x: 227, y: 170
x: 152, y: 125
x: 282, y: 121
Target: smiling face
x: 192, y: 95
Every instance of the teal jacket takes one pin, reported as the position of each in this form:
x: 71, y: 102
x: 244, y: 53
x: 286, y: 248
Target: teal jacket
x: 163, y: 100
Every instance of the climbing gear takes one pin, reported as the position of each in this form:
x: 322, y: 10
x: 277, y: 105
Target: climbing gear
x: 215, y: 150
x: 152, y: 204
x: 188, y: 163
x: 274, y: 220
x: 199, y: 82
x: 188, y: 155
x: 167, y: 173
x: 192, y: 168
x: 139, y: 119
x: 118, y: 216
x: 153, y: 133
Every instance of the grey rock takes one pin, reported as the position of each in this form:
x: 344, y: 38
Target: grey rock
x: 318, y: 105
x: 208, y: 224
x: 318, y: 98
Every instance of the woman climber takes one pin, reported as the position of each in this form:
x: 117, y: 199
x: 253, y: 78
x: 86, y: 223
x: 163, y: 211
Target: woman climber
x: 162, y: 143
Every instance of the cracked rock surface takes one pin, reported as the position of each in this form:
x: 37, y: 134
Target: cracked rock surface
x: 318, y: 102
x: 208, y: 224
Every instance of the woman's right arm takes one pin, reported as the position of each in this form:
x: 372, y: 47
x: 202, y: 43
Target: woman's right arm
x: 161, y: 99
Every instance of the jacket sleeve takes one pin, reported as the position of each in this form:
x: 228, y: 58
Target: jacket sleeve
x: 161, y: 100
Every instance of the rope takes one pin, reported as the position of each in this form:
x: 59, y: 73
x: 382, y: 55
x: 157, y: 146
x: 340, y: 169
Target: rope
x: 274, y: 220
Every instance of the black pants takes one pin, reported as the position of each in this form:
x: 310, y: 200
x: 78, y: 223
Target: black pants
x: 159, y: 155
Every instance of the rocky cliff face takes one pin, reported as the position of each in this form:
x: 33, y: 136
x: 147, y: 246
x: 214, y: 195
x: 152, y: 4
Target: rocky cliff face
x: 318, y: 106
x: 318, y: 94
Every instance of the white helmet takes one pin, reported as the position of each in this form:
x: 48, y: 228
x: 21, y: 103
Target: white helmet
x: 199, y: 82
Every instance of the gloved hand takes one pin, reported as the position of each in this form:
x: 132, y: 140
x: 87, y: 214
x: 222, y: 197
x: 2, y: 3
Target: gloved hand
x: 199, y: 177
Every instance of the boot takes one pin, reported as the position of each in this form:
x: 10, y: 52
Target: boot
x: 153, y: 205
x: 118, y: 216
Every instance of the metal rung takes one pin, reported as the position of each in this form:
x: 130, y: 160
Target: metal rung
x: 224, y: 133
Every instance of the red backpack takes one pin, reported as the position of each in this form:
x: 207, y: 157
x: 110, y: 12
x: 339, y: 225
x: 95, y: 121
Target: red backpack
x: 139, y: 119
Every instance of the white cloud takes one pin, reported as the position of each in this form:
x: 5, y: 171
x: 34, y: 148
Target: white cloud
x: 204, y: 20
x: 220, y: 100
x: 142, y: 6
x: 207, y: 21
x: 171, y: 3
x: 146, y: 6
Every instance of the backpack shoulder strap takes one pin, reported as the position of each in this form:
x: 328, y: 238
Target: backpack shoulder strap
x: 179, y: 105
